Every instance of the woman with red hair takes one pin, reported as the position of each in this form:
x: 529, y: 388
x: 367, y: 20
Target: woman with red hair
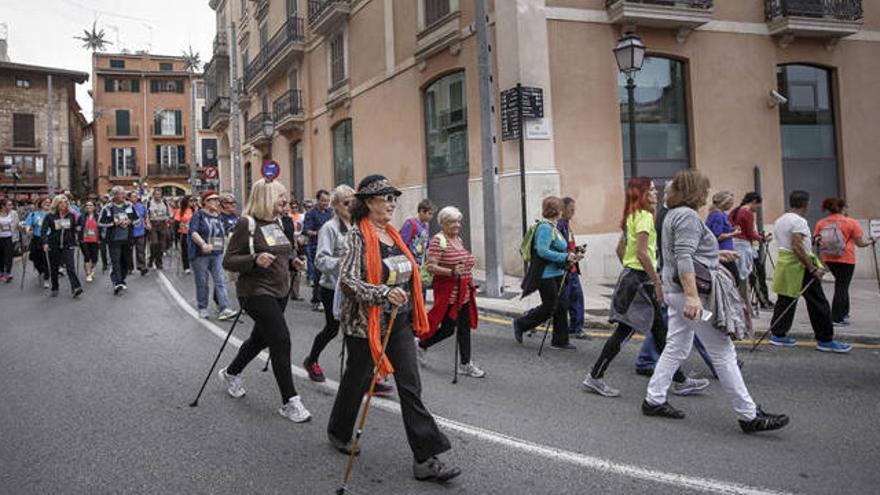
x: 637, y: 302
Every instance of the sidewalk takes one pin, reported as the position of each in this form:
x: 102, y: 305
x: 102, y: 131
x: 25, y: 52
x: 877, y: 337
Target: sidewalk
x: 864, y: 301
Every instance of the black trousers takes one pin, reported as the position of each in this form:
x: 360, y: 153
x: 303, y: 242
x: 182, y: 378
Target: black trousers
x: 549, y: 290
x: 817, y: 307
x: 270, y: 330
x: 462, y: 328
x: 425, y: 438
x: 120, y: 259
x: 843, y: 275
x: 6, y: 254
x: 58, y: 257
x: 184, y: 251
x: 90, y: 252
x: 331, y: 326
x: 104, y: 249
x: 621, y: 334
x: 38, y: 258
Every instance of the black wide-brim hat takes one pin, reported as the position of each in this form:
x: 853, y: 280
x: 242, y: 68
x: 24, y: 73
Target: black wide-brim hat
x: 376, y: 185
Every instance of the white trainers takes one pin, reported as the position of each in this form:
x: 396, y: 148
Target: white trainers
x: 598, y: 386
x: 226, y: 314
x: 203, y: 314
x: 295, y: 411
x: 690, y: 386
x: 233, y: 384
x: 472, y: 370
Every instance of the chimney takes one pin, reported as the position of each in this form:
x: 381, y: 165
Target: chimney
x: 4, y: 30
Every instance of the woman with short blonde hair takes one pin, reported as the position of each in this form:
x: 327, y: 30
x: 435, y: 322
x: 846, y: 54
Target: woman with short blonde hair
x: 261, y: 201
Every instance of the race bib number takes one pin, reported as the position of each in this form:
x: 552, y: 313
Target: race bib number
x: 184, y: 225
x: 128, y: 211
x: 217, y: 244
x: 121, y: 217
x: 5, y: 227
x: 274, y: 235
x: 63, y: 223
x: 399, y: 270
x: 90, y: 233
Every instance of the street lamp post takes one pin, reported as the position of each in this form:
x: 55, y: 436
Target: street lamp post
x: 630, y: 54
x: 269, y: 131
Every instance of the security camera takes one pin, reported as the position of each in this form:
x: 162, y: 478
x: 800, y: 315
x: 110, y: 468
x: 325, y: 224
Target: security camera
x: 776, y: 99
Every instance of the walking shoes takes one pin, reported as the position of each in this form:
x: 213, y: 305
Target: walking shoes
x: 233, y: 384
x: 226, y: 314
x: 664, y: 410
x: 690, y: 386
x: 343, y: 447
x: 295, y: 411
x: 316, y: 374
x: 434, y: 469
x: 598, y: 386
x: 764, y: 422
x: 833, y: 346
x: 472, y: 370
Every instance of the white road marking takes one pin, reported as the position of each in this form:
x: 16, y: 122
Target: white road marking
x: 551, y: 453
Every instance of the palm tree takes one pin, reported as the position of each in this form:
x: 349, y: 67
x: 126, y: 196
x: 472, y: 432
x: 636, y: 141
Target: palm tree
x: 192, y: 60
x: 93, y: 40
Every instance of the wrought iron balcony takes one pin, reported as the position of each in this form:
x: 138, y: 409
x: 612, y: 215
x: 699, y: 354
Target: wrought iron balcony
x: 829, y: 19
x: 167, y: 170
x: 125, y: 132
x: 253, y: 133
x: 125, y: 171
x: 325, y: 15
x: 288, y: 111
x: 218, y: 114
x: 276, y: 54
x: 159, y: 133
x: 683, y: 15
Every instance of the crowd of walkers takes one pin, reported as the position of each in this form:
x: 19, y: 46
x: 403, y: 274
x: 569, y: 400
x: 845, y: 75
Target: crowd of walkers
x: 686, y: 283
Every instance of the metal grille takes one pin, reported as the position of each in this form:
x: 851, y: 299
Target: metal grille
x: 692, y: 4
x: 843, y: 10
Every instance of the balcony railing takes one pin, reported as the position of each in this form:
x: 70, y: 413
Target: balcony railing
x: 290, y: 32
x: 157, y: 133
x: 131, y: 132
x: 681, y: 15
x: 254, y: 128
x: 690, y: 4
x: 325, y: 13
x: 286, y: 108
x: 167, y: 170
x: 218, y: 110
x: 129, y: 170
x: 841, y: 10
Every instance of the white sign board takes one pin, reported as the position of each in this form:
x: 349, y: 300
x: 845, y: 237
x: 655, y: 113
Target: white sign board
x: 538, y: 128
x: 874, y: 228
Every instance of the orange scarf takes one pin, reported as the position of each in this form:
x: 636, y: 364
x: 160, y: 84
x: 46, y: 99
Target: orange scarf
x: 374, y: 277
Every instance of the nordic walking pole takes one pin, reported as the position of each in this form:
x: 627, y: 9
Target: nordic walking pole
x: 455, y: 350
x: 789, y: 308
x: 555, y: 307
x: 195, y: 403
x: 24, y: 261
x: 366, y: 409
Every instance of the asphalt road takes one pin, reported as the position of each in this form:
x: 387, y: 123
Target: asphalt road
x: 96, y: 394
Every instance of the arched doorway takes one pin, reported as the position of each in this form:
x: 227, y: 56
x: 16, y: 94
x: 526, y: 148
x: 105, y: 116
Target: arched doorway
x: 809, y: 137
x: 445, y: 103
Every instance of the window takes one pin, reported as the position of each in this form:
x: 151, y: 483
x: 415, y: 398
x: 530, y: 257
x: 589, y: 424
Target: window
x: 123, y: 124
x: 123, y: 162
x: 166, y: 66
x: 293, y: 79
x: 209, y: 152
x: 446, y: 126
x: 244, y: 58
x: 661, y: 119
x: 264, y: 35
x: 435, y: 10
x: 337, y: 61
x: 170, y: 155
x: 297, y: 186
x: 23, y: 130
x: 27, y: 165
x: 343, y: 161
x: 117, y: 64
x: 166, y: 86
x: 808, y: 117
x: 200, y: 90
x: 122, y: 85
x: 22, y: 83
x: 168, y: 123
x: 291, y: 7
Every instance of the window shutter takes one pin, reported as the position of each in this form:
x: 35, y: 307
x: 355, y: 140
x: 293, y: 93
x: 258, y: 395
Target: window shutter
x: 135, y: 86
x: 157, y: 125
x: 23, y: 130
x: 158, y: 154
x: 113, y: 160
x: 108, y: 85
x: 178, y: 123
x: 179, y: 84
x: 181, y: 153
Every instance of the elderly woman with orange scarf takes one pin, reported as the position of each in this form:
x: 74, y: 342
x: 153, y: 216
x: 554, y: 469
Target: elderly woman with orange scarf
x: 376, y: 276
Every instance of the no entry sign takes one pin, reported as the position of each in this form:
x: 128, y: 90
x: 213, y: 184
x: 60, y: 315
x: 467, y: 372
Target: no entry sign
x: 211, y: 172
x: 270, y: 170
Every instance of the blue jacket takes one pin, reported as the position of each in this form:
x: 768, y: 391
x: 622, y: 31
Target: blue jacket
x: 315, y: 219
x: 554, y: 252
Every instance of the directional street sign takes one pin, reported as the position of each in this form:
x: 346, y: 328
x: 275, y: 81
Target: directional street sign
x: 270, y: 170
x: 530, y: 99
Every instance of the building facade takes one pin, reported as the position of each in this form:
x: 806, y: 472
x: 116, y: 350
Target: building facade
x: 143, y: 130
x: 206, y: 141
x: 334, y: 90
x: 24, y: 130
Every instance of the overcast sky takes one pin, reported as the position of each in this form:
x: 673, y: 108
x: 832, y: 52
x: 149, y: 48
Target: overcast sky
x: 40, y: 32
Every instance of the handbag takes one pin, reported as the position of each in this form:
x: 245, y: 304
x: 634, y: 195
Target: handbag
x: 702, y: 276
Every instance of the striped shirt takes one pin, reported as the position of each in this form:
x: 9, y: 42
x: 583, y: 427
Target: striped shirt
x: 451, y: 257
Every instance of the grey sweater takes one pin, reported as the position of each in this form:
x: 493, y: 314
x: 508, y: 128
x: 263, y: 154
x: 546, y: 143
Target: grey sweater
x: 685, y: 239
x: 331, y: 248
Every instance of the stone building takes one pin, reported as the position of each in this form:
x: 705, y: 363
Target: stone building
x: 334, y: 90
x: 142, y: 126
x: 206, y: 140
x: 24, y: 130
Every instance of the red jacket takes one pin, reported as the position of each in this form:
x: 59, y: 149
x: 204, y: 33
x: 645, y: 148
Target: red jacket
x: 442, y: 286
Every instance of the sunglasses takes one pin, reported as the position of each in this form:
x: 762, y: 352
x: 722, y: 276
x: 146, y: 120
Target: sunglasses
x: 347, y: 203
x: 389, y: 198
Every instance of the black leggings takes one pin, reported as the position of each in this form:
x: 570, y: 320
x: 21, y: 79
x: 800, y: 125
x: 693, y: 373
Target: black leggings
x: 6, y: 252
x: 270, y: 330
x: 184, y: 251
x: 90, y: 252
x: 58, y: 257
x: 621, y: 335
x: 461, y: 326
x: 843, y: 275
x: 331, y: 326
x: 550, y: 300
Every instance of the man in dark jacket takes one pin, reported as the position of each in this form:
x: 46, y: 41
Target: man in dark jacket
x: 117, y: 217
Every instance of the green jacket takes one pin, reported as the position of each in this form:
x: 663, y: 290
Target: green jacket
x: 788, y: 279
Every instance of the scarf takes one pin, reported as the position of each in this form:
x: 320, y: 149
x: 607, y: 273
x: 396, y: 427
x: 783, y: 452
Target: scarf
x: 373, y: 258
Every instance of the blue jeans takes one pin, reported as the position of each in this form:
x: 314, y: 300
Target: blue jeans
x: 213, y: 265
x: 574, y: 294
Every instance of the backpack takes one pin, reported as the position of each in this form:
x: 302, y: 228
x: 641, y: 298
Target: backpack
x: 426, y: 276
x: 525, y: 249
x: 831, y: 240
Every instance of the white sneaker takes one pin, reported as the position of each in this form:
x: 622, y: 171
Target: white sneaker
x: 187, y: 271
x: 295, y: 411
x: 690, y: 386
x: 226, y: 314
x: 233, y: 384
x: 472, y: 370
x: 203, y: 314
x: 598, y: 386
x: 46, y: 284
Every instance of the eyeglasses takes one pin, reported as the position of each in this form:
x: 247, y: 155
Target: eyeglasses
x: 347, y: 203
x: 389, y: 198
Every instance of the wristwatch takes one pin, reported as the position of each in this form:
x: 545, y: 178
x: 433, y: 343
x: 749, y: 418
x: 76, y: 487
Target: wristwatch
x: 385, y: 291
